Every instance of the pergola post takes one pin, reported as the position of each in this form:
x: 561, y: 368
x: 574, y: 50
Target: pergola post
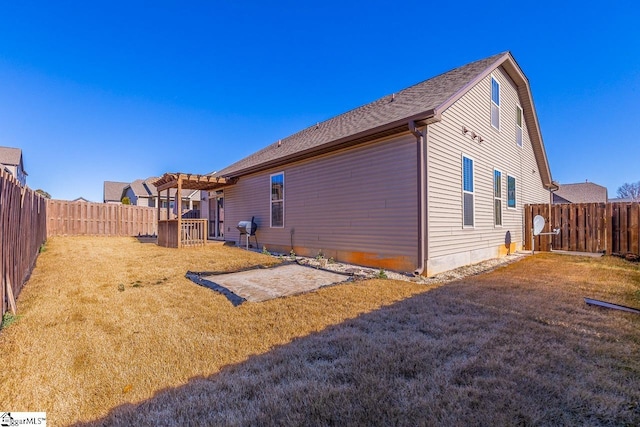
x: 179, y: 207
x: 197, y: 227
x: 158, y: 214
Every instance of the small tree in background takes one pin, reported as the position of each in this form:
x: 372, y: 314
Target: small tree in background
x: 125, y: 201
x: 630, y: 191
x: 43, y: 193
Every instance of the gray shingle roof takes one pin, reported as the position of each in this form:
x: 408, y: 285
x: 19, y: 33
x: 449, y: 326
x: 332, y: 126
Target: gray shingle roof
x: 185, y: 193
x: 417, y: 101
x: 138, y: 188
x: 583, y: 192
x: 10, y: 156
x: 143, y: 187
x: 112, y: 191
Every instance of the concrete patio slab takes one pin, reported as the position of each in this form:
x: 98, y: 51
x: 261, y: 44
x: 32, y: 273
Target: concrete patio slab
x: 267, y: 283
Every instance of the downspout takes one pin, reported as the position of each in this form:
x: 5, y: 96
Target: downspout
x: 552, y: 189
x: 422, y: 199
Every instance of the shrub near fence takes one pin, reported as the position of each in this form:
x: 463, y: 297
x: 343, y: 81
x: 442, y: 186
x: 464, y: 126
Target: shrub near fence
x: 99, y: 219
x: 22, y: 232
x: 587, y: 227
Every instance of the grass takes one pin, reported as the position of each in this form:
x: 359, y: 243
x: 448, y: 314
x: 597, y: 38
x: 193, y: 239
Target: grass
x: 381, y: 274
x: 109, y: 321
x: 516, y: 346
x: 7, y: 320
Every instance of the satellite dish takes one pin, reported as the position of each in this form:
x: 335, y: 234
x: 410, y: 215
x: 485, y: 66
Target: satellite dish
x: 538, y: 225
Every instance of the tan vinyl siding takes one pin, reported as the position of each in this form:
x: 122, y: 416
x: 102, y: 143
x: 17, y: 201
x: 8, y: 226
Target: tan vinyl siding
x: 357, y: 205
x: 498, y: 150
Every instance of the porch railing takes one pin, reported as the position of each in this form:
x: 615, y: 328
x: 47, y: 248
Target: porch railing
x: 193, y: 232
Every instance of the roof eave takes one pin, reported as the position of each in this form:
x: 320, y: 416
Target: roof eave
x: 396, y: 127
x: 464, y: 89
x: 524, y: 93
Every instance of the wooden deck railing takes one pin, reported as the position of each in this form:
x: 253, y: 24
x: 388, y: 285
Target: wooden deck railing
x: 193, y: 232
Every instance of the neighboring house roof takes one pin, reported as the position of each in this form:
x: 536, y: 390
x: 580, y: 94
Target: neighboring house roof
x: 186, y: 194
x: 422, y: 103
x: 584, y: 192
x: 191, y: 194
x: 11, y: 156
x: 138, y: 188
x: 80, y: 199
x: 112, y: 191
x: 149, y: 187
x: 621, y: 200
x: 143, y: 187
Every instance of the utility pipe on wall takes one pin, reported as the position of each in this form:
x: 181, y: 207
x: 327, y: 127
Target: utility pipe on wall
x: 422, y: 199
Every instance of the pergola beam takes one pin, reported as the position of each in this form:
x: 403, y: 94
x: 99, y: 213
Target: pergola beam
x: 179, y: 210
x: 191, y: 181
x: 168, y: 185
x: 181, y: 181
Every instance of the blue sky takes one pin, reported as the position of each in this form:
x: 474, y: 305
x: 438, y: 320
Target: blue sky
x: 95, y: 91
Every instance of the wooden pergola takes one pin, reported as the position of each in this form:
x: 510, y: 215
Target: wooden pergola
x: 179, y: 232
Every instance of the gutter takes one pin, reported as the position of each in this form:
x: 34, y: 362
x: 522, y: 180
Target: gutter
x: 372, y: 134
x: 422, y: 199
x: 552, y: 189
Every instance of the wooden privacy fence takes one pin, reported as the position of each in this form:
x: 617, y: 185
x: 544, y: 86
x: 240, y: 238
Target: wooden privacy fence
x: 587, y: 227
x: 99, y: 219
x: 22, y: 232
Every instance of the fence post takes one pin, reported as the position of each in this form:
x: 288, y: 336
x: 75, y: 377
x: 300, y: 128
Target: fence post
x: 22, y: 222
x: 528, y: 222
x: 634, y: 244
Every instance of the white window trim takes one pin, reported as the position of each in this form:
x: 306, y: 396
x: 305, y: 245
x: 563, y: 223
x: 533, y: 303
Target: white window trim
x: 495, y: 198
x: 515, y: 193
x: 271, y: 201
x: 463, y: 192
x: 493, y: 103
x: 521, y: 127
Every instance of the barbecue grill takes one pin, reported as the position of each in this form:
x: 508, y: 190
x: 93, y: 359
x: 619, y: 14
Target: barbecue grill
x: 248, y: 229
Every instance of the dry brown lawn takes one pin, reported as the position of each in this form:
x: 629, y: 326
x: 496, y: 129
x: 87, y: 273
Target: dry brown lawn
x: 516, y: 346
x: 82, y: 347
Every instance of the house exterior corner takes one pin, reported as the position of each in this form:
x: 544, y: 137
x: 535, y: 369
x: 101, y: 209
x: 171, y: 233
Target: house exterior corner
x: 492, y: 169
x: 434, y: 176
